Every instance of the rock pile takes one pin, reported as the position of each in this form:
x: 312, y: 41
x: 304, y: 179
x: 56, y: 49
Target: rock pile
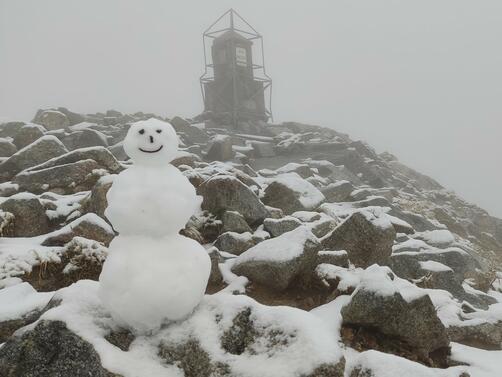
x: 328, y: 259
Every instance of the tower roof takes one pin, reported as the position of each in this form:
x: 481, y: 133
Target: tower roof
x: 231, y: 34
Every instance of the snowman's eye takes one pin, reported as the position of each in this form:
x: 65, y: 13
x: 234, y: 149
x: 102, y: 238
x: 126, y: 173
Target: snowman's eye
x: 141, y: 132
x: 159, y: 131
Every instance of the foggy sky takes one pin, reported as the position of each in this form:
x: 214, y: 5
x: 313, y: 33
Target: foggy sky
x: 421, y: 79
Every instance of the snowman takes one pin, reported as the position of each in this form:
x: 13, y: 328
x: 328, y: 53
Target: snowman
x: 152, y: 273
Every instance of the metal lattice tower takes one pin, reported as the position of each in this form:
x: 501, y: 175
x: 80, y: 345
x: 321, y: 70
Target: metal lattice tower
x: 234, y: 87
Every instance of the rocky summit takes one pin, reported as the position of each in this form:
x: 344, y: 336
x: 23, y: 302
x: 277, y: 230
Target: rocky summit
x: 328, y: 259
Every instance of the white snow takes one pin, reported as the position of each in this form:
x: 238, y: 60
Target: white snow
x: 388, y: 365
x: 234, y: 282
x: 378, y: 279
x: 219, y: 138
x: 306, y: 341
x: 290, y: 167
x: 261, y: 233
x: 308, y: 195
x: 335, y: 253
x: 376, y: 215
x: 19, y: 255
x: 19, y: 300
x: 440, y: 237
x: 331, y: 314
x: 306, y: 216
x: 410, y: 245
x: 38, y: 141
x: 397, y: 221
x: 82, y: 126
x: 434, y: 266
x: 349, y: 277
x: 8, y: 188
x: 287, y: 246
x: 65, y: 204
x: 88, y: 217
x: 482, y: 363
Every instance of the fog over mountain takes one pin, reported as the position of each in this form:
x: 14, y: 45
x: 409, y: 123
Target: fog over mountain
x: 420, y: 79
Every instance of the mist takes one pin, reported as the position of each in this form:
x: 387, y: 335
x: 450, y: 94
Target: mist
x: 422, y: 79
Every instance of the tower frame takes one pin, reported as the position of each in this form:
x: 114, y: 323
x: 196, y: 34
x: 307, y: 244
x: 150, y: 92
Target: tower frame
x: 258, y: 68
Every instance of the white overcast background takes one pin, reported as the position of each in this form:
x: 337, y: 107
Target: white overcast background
x: 421, y: 79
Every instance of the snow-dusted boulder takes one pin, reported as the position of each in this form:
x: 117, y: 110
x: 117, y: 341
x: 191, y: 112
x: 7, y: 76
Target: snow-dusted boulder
x: 7, y: 148
x: 52, y: 120
x: 189, y: 133
x: 439, y: 238
x: 398, y: 309
x: 428, y: 272
x: 233, y: 221
x: 21, y: 304
x: 460, y: 261
x: 277, y: 262
x: 89, y: 226
x: 263, y: 148
x: 28, y: 134
x: 338, y: 191
x: 227, y: 193
x: 41, y: 150
x: 220, y: 149
x: 334, y: 257
x: 68, y: 178
x: 30, y: 218
x: 367, y: 237
x: 50, y: 349
x: 276, y: 227
x: 303, y: 170
x: 215, y: 278
x: 234, y: 243
x: 186, y: 158
x: 292, y: 193
x: 118, y: 151
x: 101, y: 155
x: 10, y: 129
x: 96, y: 201
x: 486, y: 334
x: 85, y: 138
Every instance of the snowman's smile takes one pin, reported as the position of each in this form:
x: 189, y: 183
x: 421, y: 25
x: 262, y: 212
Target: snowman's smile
x: 152, y: 151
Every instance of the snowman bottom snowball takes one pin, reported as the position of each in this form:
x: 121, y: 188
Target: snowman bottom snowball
x: 148, y: 281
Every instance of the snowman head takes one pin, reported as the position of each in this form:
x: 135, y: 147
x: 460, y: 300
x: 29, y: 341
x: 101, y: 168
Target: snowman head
x: 151, y: 142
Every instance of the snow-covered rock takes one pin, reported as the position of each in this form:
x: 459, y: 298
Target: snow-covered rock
x: 277, y: 262
x: 226, y: 334
x: 276, y: 227
x: 234, y: 243
x: 292, y: 193
x: 227, y: 193
x: 398, y: 309
x: 7, y: 148
x: 89, y: 226
x: 33, y: 154
x: 52, y: 120
x: 28, y: 134
x: 30, y: 218
x: 367, y: 237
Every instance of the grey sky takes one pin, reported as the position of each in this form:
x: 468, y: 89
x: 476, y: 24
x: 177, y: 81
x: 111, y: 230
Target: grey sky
x: 421, y: 79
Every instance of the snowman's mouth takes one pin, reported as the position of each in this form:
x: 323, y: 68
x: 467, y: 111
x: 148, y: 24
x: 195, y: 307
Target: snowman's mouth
x: 154, y: 151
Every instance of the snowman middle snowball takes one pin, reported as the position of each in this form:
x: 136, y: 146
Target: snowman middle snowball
x: 152, y: 273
